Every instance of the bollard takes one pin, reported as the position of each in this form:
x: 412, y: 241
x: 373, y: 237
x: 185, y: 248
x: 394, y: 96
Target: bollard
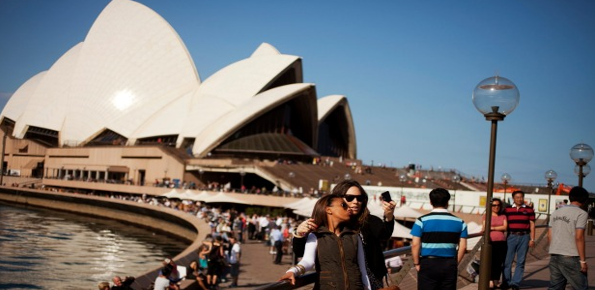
x: 590, y: 227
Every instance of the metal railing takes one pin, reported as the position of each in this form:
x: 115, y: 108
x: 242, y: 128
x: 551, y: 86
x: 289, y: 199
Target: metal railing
x: 310, y: 277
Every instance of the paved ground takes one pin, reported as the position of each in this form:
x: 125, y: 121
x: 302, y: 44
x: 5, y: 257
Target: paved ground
x: 537, y: 273
x: 258, y: 269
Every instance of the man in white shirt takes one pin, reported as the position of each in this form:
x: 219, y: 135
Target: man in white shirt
x: 263, y: 223
x: 162, y: 281
x: 235, y: 253
x: 567, y: 243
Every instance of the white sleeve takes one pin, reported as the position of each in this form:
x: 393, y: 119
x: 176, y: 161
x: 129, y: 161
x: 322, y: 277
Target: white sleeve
x: 361, y: 261
x: 309, y: 258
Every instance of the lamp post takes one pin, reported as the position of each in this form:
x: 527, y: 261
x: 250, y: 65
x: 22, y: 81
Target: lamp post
x: 505, y: 179
x: 2, y: 169
x: 550, y: 176
x: 402, y: 179
x: 242, y: 174
x: 581, y: 154
x: 586, y: 169
x: 201, y: 172
x: 456, y: 179
x: 495, y: 98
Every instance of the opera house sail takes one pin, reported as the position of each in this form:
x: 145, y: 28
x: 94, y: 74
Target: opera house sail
x: 127, y: 103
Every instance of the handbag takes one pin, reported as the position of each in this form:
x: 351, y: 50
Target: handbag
x: 389, y: 286
x: 376, y: 284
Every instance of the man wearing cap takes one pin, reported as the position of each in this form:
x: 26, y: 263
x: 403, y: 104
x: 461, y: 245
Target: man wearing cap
x: 567, y: 243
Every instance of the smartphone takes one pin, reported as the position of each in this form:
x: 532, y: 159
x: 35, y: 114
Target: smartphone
x: 386, y: 196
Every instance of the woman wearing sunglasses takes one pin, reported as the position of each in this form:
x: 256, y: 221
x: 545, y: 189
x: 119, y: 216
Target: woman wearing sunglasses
x: 373, y: 231
x: 335, y: 250
x: 498, y: 238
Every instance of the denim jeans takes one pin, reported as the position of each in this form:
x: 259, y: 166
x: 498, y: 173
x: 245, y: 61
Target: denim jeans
x: 517, y: 245
x: 565, y: 269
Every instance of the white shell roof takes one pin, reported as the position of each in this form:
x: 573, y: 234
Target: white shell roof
x: 17, y: 104
x: 218, y: 131
x: 47, y: 107
x: 231, y: 87
x: 327, y: 105
x: 265, y: 49
x: 134, y: 76
x: 131, y: 65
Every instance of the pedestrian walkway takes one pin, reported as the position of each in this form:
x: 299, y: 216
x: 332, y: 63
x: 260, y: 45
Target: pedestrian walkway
x: 257, y: 267
x: 537, y: 273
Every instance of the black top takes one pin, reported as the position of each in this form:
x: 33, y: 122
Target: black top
x: 374, y: 234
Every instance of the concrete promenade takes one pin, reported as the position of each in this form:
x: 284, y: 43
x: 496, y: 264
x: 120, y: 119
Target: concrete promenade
x: 258, y: 269
x: 537, y: 273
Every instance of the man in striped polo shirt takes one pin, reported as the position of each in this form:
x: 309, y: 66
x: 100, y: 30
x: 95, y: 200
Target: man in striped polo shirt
x: 439, y: 243
x: 521, y: 236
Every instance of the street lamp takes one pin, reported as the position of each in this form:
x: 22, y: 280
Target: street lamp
x: 581, y: 154
x: 402, y: 179
x: 495, y: 98
x: 242, y: 174
x: 505, y: 179
x: 586, y: 170
x: 550, y: 176
x: 456, y: 179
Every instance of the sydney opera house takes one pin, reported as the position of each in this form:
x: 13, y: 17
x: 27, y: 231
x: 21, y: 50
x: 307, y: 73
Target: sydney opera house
x: 127, y: 105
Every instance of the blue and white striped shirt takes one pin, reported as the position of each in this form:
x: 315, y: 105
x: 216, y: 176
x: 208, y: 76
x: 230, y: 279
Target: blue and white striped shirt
x: 440, y: 232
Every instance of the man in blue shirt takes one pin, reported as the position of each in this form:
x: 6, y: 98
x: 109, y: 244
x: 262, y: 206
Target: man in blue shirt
x: 277, y: 241
x: 439, y: 243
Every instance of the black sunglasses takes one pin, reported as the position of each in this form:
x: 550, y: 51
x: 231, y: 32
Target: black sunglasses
x: 351, y: 197
x: 342, y: 204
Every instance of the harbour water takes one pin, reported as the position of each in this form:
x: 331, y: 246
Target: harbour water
x: 47, y: 249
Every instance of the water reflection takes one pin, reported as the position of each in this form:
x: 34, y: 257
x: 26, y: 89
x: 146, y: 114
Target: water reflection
x: 43, y: 249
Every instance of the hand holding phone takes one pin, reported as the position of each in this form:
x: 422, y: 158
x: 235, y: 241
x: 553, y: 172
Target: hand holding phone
x: 386, y: 196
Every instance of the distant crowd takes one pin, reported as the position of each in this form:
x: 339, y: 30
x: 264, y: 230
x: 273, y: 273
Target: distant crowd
x: 218, y: 258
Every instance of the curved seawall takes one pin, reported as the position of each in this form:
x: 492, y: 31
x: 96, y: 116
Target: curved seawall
x: 181, y: 225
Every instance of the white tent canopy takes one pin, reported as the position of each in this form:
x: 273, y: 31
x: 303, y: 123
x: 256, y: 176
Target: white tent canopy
x: 189, y: 195
x: 172, y: 194
x: 223, y: 197
x: 375, y: 208
x: 299, y: 203
x: 405, y: 211
x: 306, y: 207
x: 401, y: 231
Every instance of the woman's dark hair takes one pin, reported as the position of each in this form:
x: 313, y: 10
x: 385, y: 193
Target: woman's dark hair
x: 501, y: 210
x: 319, y: 211
x: 166, y: 271
x: 341, y: 190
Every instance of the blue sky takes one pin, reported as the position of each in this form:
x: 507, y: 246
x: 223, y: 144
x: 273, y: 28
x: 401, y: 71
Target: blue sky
x: 408, y: 68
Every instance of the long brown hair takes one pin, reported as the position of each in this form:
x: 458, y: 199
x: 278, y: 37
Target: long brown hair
x: 341, y: 190
x: 319, y: 211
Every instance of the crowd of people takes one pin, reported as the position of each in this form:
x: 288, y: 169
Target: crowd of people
x: 343, y: 242
x: 336, y: 244
x: 512, y: 233
x: 218, y: 258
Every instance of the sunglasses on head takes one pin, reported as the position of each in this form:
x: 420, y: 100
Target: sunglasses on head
x: 351, y: 197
